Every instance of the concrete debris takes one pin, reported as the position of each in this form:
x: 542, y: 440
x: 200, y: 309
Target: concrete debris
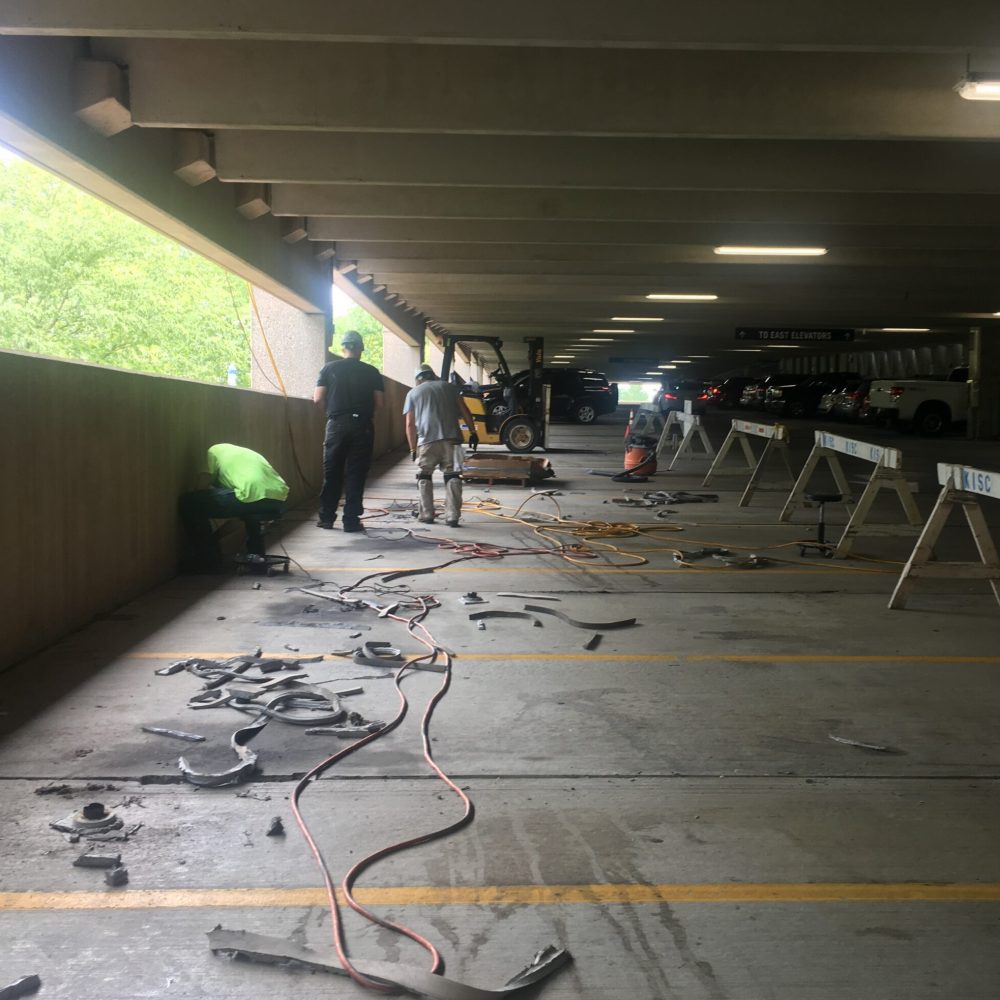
x: 275, y: 828
x: 482, y: 626
x: 293, y: 649
x: 684, y: 557
x: 744, y: 562
x: 472, y: 598
x: 348, y: 732
x: 174, y: 734
x: 479, y: 616
x: 116, y: 877
x: 75, y: 789
x: 25, y: 986
x: 90, y: 860
x: 594, y: 641
x: 403, y: 978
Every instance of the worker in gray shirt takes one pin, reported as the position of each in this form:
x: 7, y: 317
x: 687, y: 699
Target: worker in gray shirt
x: 433, y: 409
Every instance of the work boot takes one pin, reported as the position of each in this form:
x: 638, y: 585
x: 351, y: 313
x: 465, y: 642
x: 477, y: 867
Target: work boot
x: 353, y: 525
x: 326, y: 523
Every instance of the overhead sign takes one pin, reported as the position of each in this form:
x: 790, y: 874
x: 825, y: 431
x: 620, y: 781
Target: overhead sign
x: 792, y: 335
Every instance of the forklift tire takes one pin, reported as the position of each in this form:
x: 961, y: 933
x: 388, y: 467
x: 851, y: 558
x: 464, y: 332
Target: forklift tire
x: 519, y: 434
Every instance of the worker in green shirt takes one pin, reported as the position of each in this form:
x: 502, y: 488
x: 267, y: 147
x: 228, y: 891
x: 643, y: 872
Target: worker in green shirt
x: 243, y: 485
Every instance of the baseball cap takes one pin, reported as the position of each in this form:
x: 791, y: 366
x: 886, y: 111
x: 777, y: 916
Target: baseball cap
x: 351, y: 338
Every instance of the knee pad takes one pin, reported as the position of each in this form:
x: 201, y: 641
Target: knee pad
x: 424, y: 477
x: 452, y: 475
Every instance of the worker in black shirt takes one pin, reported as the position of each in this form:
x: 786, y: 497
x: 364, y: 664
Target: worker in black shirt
x: 351, y: 393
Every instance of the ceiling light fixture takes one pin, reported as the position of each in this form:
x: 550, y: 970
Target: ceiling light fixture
x: 597, y: 340
x: 682, y: 361
x: 680, y: 297
x: 745, y: 350
x: 979, y: 87
x: 565, y: 356
x: 699, y: 355
x: 667, y: 367
x: 612, y: 331
x: 996, y: 314
x: 651, y: 373
x: 905, y: 329
x: 770, y: 251
x: 785, y: 347
x: 637, y: 319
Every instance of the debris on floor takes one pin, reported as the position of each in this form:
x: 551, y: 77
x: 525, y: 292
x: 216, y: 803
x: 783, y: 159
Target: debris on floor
x: 91, y: 860
x: 593, y: 642
x: 92, y: 818
x: 25, y: 986
x: 238, y: 773
x: 472, y: 598
x: 861, y: 745
x: 116, y: 877
x: 743, y: 562
x: 276, y: 828
x: 480, y: 616
x: 405, y: 978
x: 528, y: 597
x: 68, y: 790
x: 174, y: 734
x: 590, y: 626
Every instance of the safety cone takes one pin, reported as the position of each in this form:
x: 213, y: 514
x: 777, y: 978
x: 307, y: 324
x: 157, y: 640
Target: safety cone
x: 628, y: 426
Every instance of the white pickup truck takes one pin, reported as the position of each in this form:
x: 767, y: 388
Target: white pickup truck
x: 926, y: 405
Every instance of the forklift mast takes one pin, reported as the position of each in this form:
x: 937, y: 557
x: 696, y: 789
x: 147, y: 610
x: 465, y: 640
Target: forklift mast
x: 536, y: 387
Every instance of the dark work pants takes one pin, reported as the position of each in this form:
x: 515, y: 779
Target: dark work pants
x: 199, y: 507
x: 347, y: 456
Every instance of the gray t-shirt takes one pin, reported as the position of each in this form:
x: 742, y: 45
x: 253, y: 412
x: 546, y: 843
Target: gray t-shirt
x: 435, y: 410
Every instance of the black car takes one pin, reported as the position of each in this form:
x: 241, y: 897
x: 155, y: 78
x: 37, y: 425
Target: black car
x: 727, y: 393
x: 799, y: 396
x: 578, y: 394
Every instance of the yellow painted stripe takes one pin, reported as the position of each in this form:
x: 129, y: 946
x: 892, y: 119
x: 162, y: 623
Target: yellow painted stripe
x: 489, y: 566
x: 638, y: 657
x: 515, y: 895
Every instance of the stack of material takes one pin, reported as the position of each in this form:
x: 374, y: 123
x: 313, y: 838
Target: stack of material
x: 496, y: 468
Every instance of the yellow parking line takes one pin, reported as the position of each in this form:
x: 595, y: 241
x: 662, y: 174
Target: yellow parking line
x: 488, y: 566
x: 638, y: 657
x: 516, y: 895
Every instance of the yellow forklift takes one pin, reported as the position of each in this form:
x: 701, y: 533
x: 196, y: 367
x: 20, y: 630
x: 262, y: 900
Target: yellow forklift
x: 510, y: 411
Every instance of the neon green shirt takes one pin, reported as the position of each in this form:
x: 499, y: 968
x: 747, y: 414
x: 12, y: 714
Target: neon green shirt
x: 249, y: 475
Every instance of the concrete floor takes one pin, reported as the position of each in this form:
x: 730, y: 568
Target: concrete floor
x: 669, y: 807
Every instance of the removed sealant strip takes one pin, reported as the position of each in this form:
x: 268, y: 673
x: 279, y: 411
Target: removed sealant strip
x: 408, y: 979
x: 24, y: 986
x: 174, y: 734
x: 240, y: 772
x: 480, y: 615
x: 590, y: 626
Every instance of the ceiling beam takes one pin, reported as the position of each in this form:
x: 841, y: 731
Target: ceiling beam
x: 533, y: 91
x: 654, y: 233
x: 849, y: 25
x: 797, y: 208
x: 575, y: 162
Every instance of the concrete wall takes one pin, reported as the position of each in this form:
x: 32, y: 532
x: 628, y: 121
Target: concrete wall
x: 297, y: 340
x: 93, y: 462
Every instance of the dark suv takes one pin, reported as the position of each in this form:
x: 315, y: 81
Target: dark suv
x: 576, y: 393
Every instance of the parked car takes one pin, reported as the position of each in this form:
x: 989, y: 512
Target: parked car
x: 673, y: 396
x: 927, y: 405
x: 754, y: 393
x: 800, y: 396
x: 727, y: 393
x: 577, y: 394
x: 848, y: 401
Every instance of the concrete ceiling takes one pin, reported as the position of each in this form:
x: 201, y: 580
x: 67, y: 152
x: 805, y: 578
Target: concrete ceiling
x: 540, y: 167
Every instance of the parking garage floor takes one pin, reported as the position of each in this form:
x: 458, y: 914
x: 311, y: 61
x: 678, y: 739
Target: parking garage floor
x: 670, y: 807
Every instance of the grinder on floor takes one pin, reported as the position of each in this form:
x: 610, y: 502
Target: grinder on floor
x: 433, y: 410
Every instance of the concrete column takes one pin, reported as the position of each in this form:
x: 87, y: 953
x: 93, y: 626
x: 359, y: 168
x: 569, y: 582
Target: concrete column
x: 984, y: 374
x: 399, y: 359
x: 297, y: 340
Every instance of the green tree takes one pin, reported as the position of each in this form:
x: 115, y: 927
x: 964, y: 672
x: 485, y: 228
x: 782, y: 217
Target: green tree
x: 81, y: 280
x: 370, y: 329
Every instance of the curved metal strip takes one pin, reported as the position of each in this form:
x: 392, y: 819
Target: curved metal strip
x: 590, y: 626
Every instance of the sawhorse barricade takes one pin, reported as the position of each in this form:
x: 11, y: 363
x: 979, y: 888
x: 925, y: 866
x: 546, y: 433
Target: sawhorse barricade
x: 887, y: 474
x: 960, y: 487
x: 692, y: 429
x: 777, y: 438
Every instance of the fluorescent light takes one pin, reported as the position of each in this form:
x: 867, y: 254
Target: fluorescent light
x: 771, y: 251
x: 597, y: 340
x: 566, y: 356
x: 745, y: 350
x: 785, y: 347
x: 680, y: 297
x: 612, y: 331
x: 699, y: 355
x: 980, y: 87
x: 681, y: 361
x: 906, y: 329
x: 636, y: 319
x: 651, y: 373
x: 996, y: 314
x: 667, y: 367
